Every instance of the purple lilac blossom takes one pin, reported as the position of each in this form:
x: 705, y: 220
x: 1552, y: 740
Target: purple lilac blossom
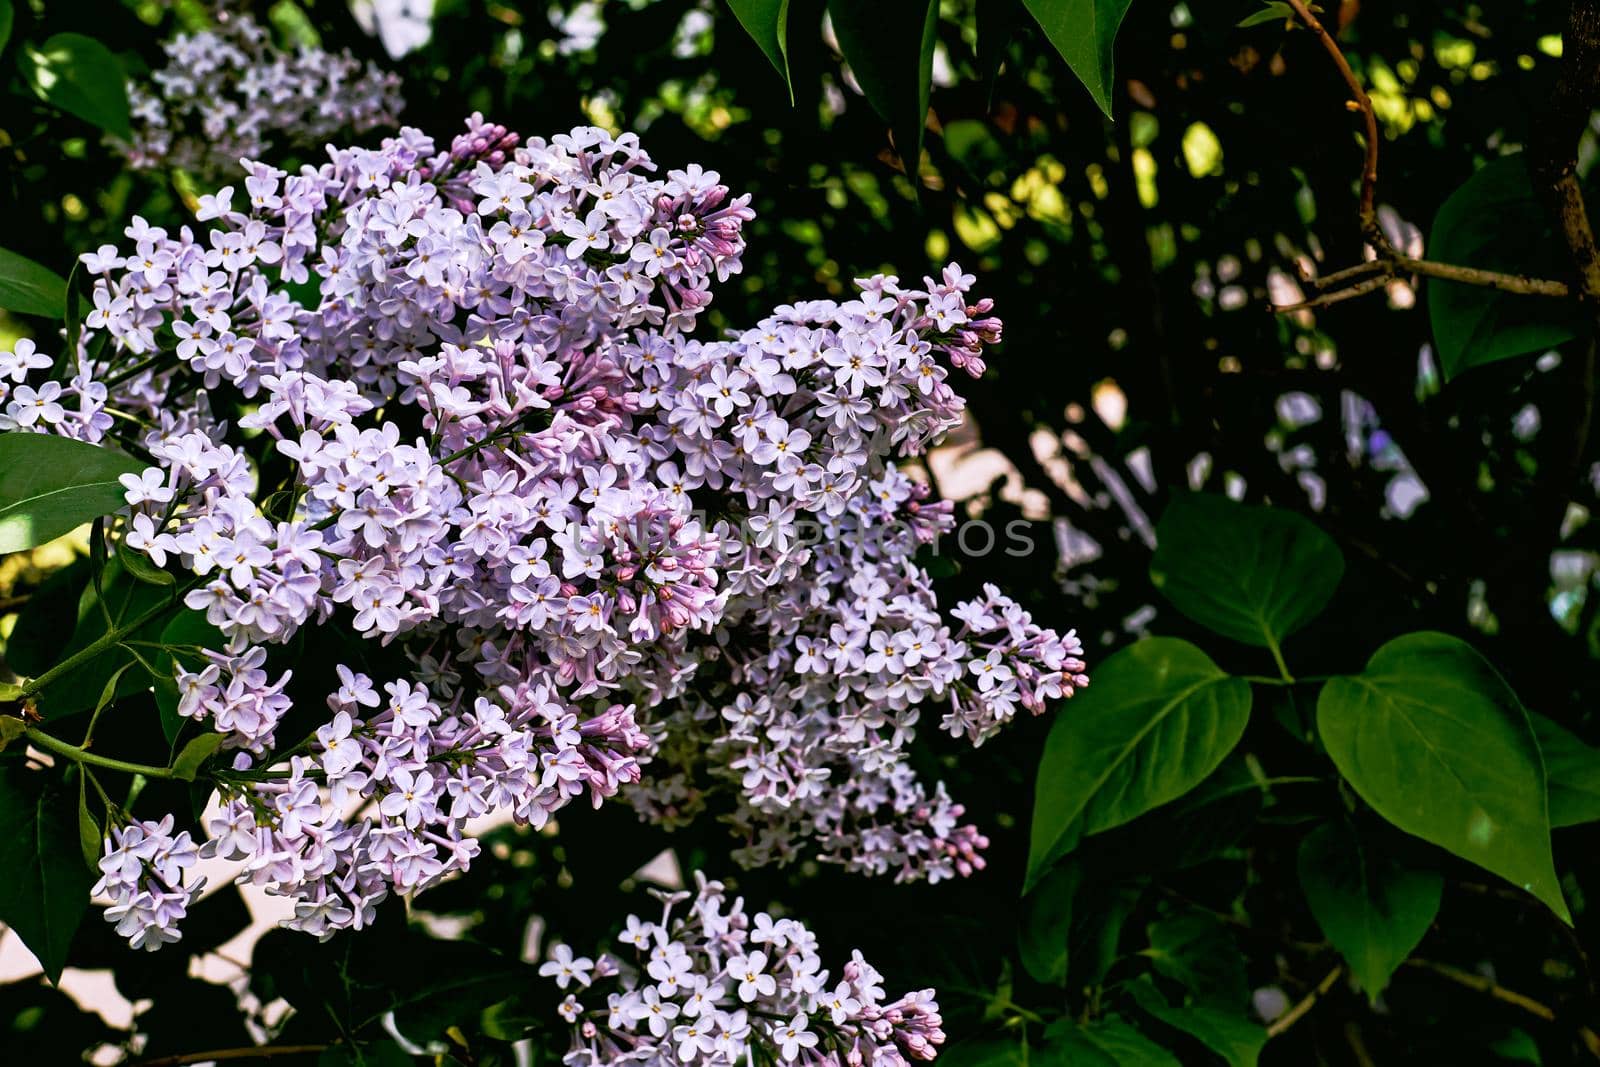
x: 587, y: 543
x: 228, y: 93
x: 714, y: 986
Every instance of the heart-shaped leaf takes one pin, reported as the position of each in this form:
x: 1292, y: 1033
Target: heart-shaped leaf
x: 1432, y: 737
x: 1373, y: 908
x: 1160, y: 717
x: 1254, y: 574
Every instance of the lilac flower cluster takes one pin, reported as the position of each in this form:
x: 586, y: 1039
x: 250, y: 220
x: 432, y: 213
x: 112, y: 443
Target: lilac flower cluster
x: 142, y: 872
x: 471, y: 421
x: 715, y: 986
x: 229, y: 93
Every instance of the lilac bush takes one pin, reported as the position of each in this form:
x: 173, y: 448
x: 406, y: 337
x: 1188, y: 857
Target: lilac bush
x: 506, y: 448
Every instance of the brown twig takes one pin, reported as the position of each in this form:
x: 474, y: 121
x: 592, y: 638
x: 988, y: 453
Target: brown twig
x: 1368, y: 212
x: 1390, y: 263
x: 1299, y: 1011
x: 250, y: 1052
x: 1489, y: 987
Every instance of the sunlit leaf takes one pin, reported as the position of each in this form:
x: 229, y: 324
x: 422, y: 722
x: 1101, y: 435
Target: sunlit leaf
x: 80, y: 76
x: 49, y: 485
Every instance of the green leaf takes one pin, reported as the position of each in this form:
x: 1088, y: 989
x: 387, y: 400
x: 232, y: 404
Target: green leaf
x: 1439, y: 745
x: 124, y: 600
x: 1193, y: 949
x: 1110, y: 1042
x: 1254, y: 574
x: 80, y: 76
x: 8, y: 17
x: 30, y: 289
x: 45, y: 889
x: 140, y: 566
x: 1229, y: 1034
x: 1373, y: 908
x: 767, y: 23
x: 11, y: 727
x: 1047, y: 923
x: 1160, y: 718
x: 893, y: 67
x: 195, y: 753
x: 90, y: 837
x: 1572, y: 771
x: 1275, y: 11
x: 1083, y: 31
x: 50, y: 485
x: 1495, y: 221
x: 45, y: 625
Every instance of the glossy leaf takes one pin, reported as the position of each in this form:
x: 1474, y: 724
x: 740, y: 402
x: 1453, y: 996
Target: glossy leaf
x: 1572, y: 771
x: 1373, y: 908
x: 767, y: 23
x: 80, y: 76
x: 1254, y: 574
x: 1160, y: 717
x: 29, y: 288
x: 50, y: 485
x: 45, y: 889
x: 1227, y: 1033
x: 1432, y: 737
x: 894, y: 69
x: 1084, y: 32
x: 1495, y: 221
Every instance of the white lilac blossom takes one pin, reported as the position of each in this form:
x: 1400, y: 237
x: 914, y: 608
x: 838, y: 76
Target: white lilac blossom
x: 474, y: 423
x: 714, y: 986
x: 228, y: 93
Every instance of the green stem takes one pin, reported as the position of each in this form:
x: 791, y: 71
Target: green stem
x: 79, y: 755
x: 1277, y: 656
x: 110, y: 639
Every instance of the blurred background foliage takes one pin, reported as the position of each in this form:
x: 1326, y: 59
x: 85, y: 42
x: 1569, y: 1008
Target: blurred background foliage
x: 1134, y: 259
